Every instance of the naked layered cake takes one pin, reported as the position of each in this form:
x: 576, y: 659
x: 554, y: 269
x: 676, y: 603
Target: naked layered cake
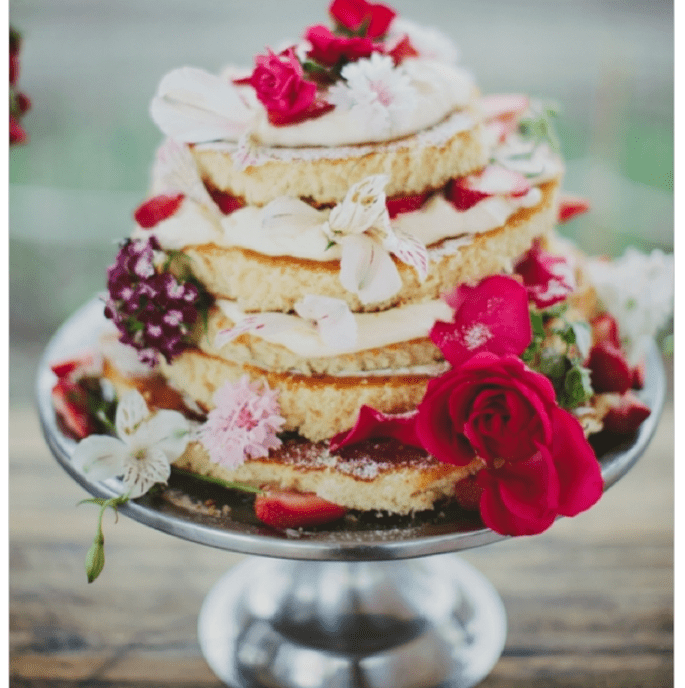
x: 344, y: 291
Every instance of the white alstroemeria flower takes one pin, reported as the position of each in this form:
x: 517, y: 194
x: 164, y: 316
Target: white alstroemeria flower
x: 637, y: 289
x: 175, y: 171
x: 194, y: 106
x: 328, y: 317
x: 142, y: 453
x: 378, y: 94
x: 360, y: 224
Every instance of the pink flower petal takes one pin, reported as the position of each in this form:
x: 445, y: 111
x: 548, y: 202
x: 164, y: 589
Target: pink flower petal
x: 371, y: 423
x: 580, y: 477
x: 491, y: 316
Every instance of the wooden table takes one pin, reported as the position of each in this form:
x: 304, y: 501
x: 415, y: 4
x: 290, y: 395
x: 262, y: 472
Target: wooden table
x: 589, y: 602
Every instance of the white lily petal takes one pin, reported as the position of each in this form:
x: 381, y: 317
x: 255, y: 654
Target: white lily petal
x: 409, y: 250
x: 263, y: 324
x: 100, y: 457
x: 367, y: 269
x: 290, y: 215
x: 131, y: 412
x: 167, y: 430
x: 332, y: 318
x: 175, y: 170
x: 194, y: 106
x: 362, y: 208
x: 141, y: 472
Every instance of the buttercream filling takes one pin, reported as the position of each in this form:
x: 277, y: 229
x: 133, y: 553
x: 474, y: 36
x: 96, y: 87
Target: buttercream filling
x: 438, y: 90
x: 374, y: 330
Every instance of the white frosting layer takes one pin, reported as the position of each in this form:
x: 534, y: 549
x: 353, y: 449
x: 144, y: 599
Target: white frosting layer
x: 374, y: 330
x: 439, y: 90
x: 300, y: 236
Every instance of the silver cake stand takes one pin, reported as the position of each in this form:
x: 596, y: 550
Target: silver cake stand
x: 359, y: 604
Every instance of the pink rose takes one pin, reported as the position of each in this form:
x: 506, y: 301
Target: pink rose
x: 490, y: 316
x: 548, y: 279
x: 361, y: 16
x: 281, y: 87
x: 329, y: 49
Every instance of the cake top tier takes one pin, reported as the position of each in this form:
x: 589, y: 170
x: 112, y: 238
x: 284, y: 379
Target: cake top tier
x: 371, y: 77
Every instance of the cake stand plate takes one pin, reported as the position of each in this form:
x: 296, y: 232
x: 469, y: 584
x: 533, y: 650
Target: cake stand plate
x: 351, y: 605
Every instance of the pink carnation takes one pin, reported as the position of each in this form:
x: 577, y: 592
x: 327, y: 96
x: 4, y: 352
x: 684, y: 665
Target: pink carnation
x: 243, y: 423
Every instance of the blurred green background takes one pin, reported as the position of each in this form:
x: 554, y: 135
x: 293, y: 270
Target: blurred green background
x: 91, y: 68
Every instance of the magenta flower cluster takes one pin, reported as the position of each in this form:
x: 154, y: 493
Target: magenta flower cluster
x: 153, y: 311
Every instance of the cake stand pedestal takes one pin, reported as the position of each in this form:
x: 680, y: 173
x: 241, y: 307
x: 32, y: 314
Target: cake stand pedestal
x: 350, y: 606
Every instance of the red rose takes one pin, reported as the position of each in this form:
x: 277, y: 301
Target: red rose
x: 548, y: 279
x: 359, y: 15
x: 281, y: 87
x: 538, y: 462
x: 328, y: 49
x: 491, y: 406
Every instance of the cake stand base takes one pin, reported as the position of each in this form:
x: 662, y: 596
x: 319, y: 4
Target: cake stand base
x: 417, y: 623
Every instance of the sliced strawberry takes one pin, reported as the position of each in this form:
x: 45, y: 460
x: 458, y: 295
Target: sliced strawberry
x: 405, y: 204
x: 467, y: 492
x: 570, y: 206
x: 605, y: 329
x: 226, y: 202
x: 70, y: 365
x: 627, y: 415
x: 503, y: 105
x: 465, y: 192
x: 156, y: 209
x: 639, y: 376
x: 609, y: 369
x: 288, y: 509
x: 70, y: 403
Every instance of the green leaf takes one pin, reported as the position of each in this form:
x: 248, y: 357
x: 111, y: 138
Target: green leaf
x: 552, y: 364
x: 577, y: 389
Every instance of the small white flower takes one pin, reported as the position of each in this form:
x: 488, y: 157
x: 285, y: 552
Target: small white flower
x: 637, y: 289
x: 378, y: 94
x: 142, y: 453
x: 360, y: 224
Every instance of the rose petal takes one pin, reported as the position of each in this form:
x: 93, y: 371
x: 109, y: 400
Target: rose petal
x: 371, y: 423
x: 580, y: 477
x: 492, y: 316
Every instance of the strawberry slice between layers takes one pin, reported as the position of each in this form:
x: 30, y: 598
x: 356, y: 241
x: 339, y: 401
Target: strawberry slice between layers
x: 494, y: 180
x: 70, y: 402
x: 288, y: 509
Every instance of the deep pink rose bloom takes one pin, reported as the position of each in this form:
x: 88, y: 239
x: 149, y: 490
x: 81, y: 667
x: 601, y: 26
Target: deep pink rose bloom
x: 354, y: 14
x: 538, y: 462
x: 491, y: 406
x: 281, y: 87
x: 328, y: 49
x: 548, y: 279
x: 491, y: 316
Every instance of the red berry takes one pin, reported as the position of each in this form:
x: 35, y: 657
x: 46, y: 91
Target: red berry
x: 156, y: 209
x: 405, y: 204
x: 288, y: 509
x: 627, y: 415
x: 467, y: 492
x: 609, y: 369
x: 639, y: 376
x: 70, y: 403
x: 570, y: 206
x: 605, y: 329
x: 68, y: 366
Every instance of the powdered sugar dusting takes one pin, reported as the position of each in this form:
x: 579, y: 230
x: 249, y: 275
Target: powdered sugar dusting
x: 476, y: 335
